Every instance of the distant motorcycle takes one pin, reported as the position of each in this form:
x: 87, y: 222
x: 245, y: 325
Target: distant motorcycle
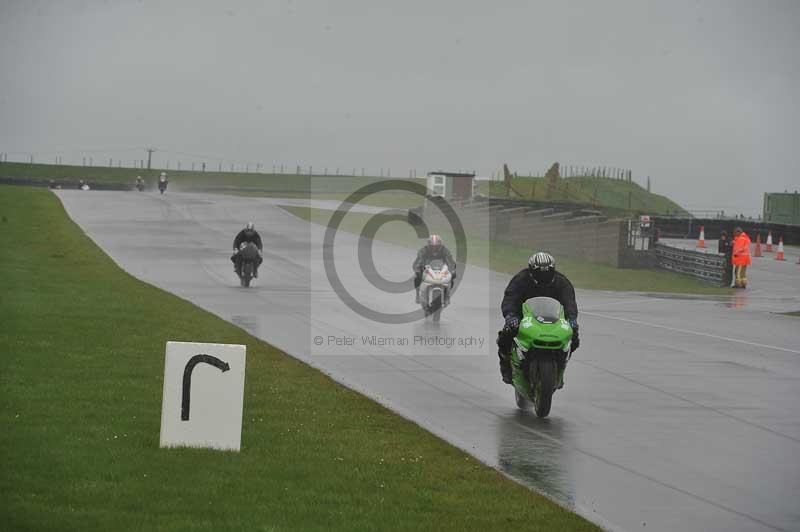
x: 434, y: 290
x: 162, y: 186
x: 249, y: 255
x: 140, y: 186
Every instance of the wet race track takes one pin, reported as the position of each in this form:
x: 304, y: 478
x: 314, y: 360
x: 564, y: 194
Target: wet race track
x: 679, y: 412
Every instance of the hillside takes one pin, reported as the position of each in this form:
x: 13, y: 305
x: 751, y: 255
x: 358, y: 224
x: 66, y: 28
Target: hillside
x: 613, y: 195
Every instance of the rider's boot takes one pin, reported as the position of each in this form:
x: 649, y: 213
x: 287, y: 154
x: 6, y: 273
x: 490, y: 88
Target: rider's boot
x: 505, y: 367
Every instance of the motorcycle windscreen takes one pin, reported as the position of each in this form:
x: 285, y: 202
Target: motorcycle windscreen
x: 545, y: 309
x: 436, y: 264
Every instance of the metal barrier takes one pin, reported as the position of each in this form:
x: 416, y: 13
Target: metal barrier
x: 704, y: 266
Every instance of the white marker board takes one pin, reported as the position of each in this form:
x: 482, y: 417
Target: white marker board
x: 203, y: 395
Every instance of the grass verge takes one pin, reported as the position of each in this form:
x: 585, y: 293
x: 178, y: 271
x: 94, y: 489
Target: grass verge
x: 80, y: 394
x: 190, y: 180
x: 506, y: 258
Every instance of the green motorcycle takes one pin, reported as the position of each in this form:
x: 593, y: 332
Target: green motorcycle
x: 540, y: 353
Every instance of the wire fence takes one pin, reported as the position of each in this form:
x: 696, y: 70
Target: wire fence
x: 210, y: 164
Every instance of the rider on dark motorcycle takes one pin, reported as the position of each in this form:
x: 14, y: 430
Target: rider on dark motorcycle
x: 248, y: 234
x: 434, y: 249
x: 540, y: 278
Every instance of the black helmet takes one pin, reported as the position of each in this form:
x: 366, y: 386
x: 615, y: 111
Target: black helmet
x: 542, y: 267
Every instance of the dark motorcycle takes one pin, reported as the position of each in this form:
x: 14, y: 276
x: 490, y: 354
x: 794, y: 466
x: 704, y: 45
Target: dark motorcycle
x: 162, y: 186
x: 250, y: 258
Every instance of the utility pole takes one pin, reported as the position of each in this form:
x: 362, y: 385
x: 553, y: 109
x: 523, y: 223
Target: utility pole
x: 149, y: 156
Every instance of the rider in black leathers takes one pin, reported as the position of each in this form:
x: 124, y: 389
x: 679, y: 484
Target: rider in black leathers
x: 248, y: 234
x: 540, y: 278
x: 433, y: 250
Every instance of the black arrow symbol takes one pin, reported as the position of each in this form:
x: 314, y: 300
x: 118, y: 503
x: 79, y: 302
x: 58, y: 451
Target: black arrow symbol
x: 187, y: 378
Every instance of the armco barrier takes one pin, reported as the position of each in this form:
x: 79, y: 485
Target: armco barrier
x: 704, y: 266
x: 690, y: 228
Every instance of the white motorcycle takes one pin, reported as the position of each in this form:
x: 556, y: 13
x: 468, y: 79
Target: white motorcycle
x: 434, y: 290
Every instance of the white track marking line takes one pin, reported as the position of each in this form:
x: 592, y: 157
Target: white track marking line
x: 687, y: 331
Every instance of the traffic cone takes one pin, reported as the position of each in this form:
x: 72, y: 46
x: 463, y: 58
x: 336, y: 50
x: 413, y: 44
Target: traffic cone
x: 701, y: 242
x: 758, y: 246
x: 780, y: 256
x: 769, y: 242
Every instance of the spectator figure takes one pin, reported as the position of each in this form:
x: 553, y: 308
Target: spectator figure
x: 741, y: 257
x: 725, y: 248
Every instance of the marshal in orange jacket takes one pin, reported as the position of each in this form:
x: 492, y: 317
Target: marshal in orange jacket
x: 741, y: 250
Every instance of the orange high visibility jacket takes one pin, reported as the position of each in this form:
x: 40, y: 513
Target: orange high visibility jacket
x: 741, y: 250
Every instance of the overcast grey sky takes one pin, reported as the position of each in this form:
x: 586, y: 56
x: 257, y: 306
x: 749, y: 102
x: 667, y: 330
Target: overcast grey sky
x: 701, y: 96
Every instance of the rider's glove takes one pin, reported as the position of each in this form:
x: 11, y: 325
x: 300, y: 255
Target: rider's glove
x: 576, y: 339
x: 512, y: 322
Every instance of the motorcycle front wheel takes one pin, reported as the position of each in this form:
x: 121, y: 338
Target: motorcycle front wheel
x: 436, y: 306
x: 544, y: 385
x: 247, y: 274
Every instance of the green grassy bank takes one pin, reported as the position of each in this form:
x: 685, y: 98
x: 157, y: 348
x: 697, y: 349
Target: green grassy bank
x: 615, y: 197
x: 82, y: 346
x: 266, y: 184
